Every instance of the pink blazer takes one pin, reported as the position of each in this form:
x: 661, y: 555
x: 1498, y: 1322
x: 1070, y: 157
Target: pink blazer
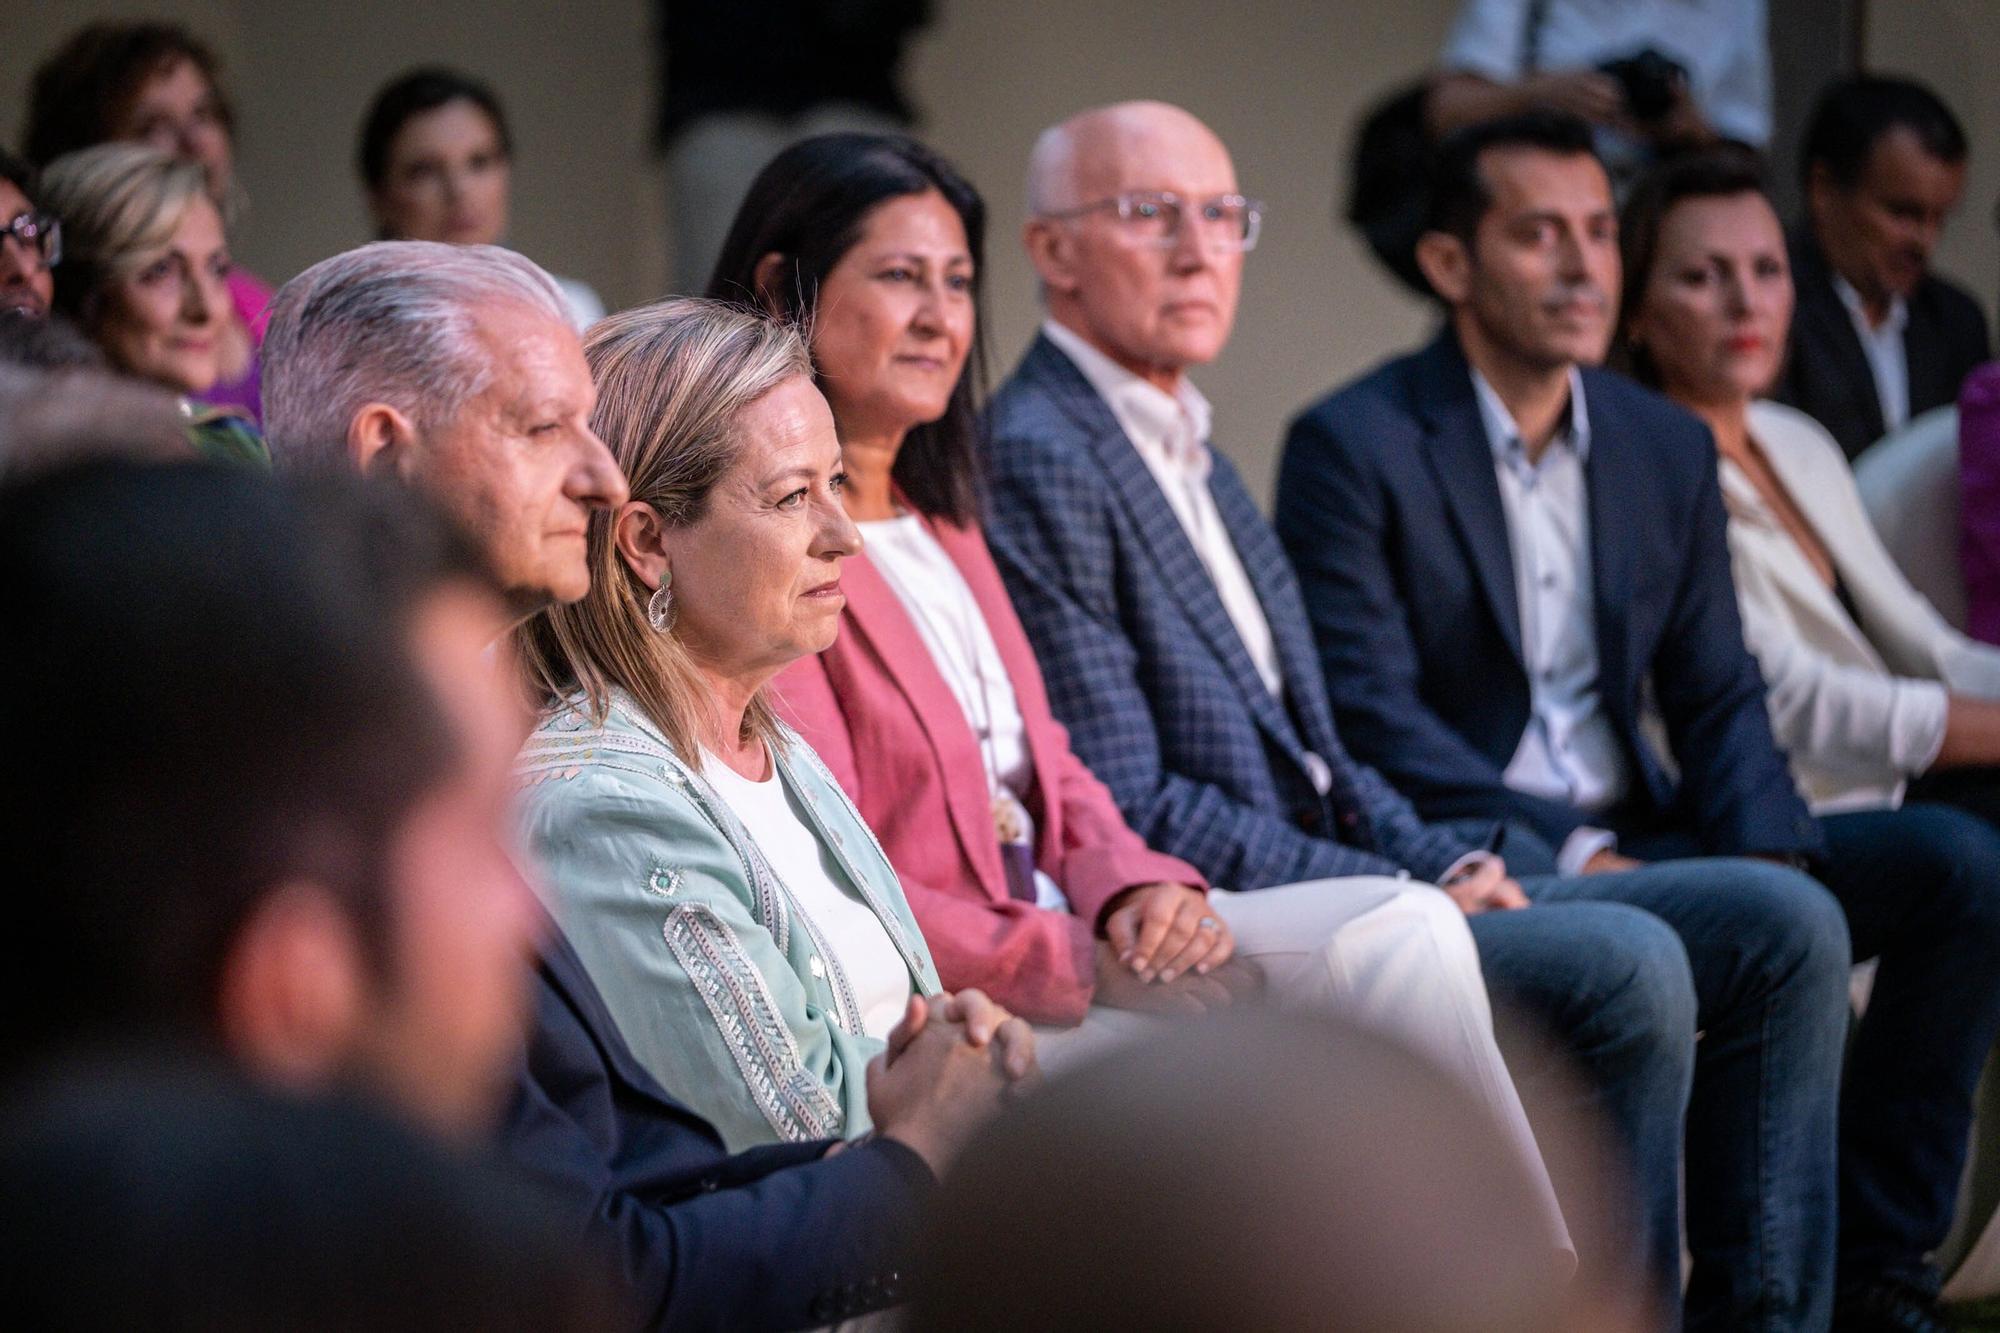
x: 880, y: 714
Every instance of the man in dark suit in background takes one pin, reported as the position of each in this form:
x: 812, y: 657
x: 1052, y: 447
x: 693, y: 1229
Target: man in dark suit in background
x: 1877, y: 337
x: 1177, y: 652
x: 1516, y: 565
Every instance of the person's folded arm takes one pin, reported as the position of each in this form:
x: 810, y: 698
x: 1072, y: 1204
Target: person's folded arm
x: 758, y: 1240
x: 1034, y: 963
x: 1832, y: 714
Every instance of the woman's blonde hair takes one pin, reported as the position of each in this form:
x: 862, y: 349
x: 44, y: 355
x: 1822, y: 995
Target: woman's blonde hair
x: 120, y: 204
x: 673, y: 378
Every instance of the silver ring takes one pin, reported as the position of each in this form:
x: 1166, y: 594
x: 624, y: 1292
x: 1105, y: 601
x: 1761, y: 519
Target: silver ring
x: 1208, y: 923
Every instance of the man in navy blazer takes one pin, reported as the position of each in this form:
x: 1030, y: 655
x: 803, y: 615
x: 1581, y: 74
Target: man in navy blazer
x: 1177, y: 652
x: 1518, y: 575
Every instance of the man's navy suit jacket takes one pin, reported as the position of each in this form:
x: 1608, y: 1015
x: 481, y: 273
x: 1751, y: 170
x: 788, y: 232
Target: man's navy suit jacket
x: 1390, y: 508
x: 778, y: 1237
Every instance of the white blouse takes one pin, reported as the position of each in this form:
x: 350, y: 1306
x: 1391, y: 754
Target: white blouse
x: 1859, y: 707
x: 849, y: 927
x: 948, y: 619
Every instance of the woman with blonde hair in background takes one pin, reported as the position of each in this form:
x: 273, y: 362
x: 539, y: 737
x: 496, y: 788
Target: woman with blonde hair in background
x: 145, y: 275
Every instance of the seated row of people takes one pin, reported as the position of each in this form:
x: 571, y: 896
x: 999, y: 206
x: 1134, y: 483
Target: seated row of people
x: 729, y: 927
x: 746, y: 950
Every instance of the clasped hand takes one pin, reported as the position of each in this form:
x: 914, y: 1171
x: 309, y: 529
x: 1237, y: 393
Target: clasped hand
x: 944, y: 1069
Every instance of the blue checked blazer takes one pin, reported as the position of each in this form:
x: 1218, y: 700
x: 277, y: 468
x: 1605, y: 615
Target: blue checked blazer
x: 1146, y: 669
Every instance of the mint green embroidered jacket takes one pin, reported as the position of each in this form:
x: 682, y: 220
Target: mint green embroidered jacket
x: 717, y: 980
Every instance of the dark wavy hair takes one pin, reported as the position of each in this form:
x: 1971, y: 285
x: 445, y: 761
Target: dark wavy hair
x: 411, y: 95
x: 1717, y: 173
x: 808, y: 206
x: 82, y: 90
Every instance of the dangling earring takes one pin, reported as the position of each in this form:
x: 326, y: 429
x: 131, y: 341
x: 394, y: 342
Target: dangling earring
x: 660, y: 606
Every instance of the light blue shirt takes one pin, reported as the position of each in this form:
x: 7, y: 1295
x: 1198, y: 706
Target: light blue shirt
x: 1570, y: 752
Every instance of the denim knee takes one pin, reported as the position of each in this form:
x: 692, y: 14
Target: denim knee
x: 1657, y: 985
x: 1965, y: 851
x: 1804, y: 928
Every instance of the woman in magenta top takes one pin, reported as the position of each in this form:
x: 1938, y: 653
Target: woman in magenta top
x: 157, y: 84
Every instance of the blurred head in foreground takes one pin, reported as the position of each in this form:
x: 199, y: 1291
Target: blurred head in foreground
x: 260, y: 756
x: 52, y: 416
x: 1254, y: 1171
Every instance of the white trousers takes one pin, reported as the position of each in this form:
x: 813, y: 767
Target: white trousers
x: 1394, y: 955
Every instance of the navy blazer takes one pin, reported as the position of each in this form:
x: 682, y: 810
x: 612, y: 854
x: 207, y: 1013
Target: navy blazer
x: 1388, y: 504
x: 779, y: 1237
x: 1826, y: 374
x: 1146, y: 669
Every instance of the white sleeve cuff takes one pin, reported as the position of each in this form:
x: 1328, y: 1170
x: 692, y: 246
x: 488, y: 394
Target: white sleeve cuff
x: 1583, y: 843
x: 1916, y: 725
x: 1464, y: 865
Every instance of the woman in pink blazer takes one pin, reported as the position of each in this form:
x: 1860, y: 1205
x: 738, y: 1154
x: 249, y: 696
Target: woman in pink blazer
x: 930, y: 710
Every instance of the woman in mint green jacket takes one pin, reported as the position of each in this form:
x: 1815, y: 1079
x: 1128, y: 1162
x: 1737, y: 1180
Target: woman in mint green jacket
x: 745, y: 930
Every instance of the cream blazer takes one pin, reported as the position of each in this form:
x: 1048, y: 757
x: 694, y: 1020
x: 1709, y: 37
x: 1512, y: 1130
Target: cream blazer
x: 1859, y: 708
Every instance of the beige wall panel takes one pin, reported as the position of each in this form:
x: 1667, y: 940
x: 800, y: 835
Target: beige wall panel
x: 1282, y: 80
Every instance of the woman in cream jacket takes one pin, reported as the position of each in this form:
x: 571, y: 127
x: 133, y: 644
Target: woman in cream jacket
x: 1867, y: 690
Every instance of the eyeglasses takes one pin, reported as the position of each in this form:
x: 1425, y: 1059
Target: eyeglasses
x: 39, y: 234
x: 1154, y: 217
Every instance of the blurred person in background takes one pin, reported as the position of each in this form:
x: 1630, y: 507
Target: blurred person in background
x: 741, y: 80
x: 54, y: 411
x: 1877, y: 337
x: 271, y: 793
x: 146, y: 276
x: 436, y: 160
x: 30, y: 242
x: 157, y: 84
x: 1651, y: 76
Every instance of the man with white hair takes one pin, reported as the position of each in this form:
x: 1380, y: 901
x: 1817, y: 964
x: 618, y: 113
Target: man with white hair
x: 1178, y: 652
x: 456, y: 369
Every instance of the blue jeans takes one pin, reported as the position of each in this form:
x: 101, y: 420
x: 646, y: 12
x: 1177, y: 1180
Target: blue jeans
x: 1768, y: 953
x: 1609, y: 987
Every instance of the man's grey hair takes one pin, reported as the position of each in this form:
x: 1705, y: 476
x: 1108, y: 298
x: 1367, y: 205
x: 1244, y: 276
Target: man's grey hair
x: 392, y: 322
